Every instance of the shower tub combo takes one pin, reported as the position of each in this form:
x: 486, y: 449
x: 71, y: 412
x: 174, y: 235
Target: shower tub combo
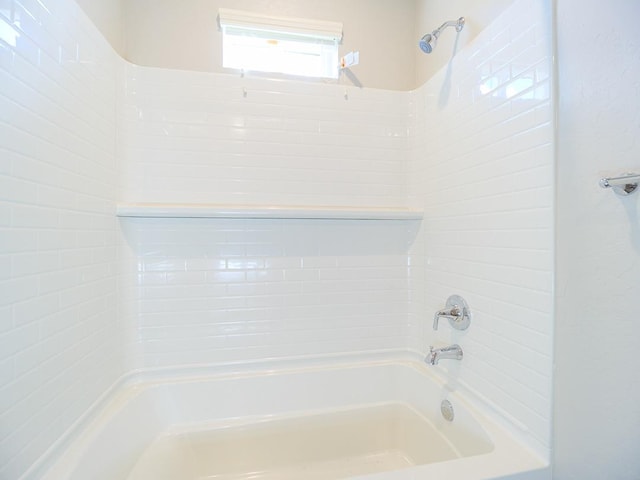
x: 375, y: 417
x: 369, y: 418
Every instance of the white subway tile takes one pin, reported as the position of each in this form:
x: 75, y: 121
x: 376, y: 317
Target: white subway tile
x: 60, y: 122
x: 485, y: 183
x: 18, y: 339
x: 18, y: 191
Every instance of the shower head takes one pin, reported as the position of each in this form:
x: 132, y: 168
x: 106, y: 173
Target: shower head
x: 429, y: 41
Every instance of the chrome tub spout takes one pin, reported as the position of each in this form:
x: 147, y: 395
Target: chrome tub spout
x: 452, y: 352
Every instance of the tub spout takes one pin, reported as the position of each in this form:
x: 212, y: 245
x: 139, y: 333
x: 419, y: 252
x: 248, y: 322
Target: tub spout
x: 453, y: 352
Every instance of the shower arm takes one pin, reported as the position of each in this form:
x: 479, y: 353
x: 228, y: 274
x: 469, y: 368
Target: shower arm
x: 458, y: 24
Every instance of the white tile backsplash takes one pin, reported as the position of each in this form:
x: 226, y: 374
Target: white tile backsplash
x: 85, y: 297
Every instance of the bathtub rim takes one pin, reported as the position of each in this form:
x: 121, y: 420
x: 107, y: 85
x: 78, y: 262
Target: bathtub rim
x: 130, y: 384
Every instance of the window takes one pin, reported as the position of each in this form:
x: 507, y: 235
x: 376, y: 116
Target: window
x: 278, y: 44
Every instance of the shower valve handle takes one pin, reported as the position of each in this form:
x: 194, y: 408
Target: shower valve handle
x: 456, y: 311
x: 453, y: 314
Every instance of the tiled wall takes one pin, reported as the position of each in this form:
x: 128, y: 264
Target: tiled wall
x: 198, y: 137
x: 59, y: 337
x: 483, y: 169
x: 216, y: 291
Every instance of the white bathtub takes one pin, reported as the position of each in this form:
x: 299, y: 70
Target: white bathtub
x: 373, y: 419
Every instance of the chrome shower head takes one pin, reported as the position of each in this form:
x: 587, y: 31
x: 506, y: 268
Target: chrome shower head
x: 429, y: 41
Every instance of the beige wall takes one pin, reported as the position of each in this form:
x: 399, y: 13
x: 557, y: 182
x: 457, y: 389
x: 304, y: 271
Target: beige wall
x: 184, y: 34
x: 108, y: 16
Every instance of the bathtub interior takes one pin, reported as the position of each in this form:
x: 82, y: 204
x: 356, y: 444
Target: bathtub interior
x: 324, y: 446
x: 171, y: 428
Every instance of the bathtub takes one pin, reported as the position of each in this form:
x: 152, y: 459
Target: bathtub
x: 368, y: 418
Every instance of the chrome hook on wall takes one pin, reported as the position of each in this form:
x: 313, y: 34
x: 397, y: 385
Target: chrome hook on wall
x: 623, y: 185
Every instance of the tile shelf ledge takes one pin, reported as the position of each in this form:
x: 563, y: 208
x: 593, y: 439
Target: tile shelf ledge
x: 206, y: 210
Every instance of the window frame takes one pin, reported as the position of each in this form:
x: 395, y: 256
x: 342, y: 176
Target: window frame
x: 310, y: 46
